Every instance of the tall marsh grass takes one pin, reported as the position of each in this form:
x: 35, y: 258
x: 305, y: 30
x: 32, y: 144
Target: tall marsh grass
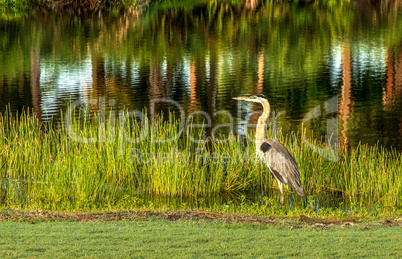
x: 42, y: 166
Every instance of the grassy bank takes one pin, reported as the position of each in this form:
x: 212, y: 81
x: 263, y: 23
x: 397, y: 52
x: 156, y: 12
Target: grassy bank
x: 50, y: 167
x: 194, y: 238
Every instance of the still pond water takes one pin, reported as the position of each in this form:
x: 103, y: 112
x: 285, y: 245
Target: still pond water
x: 202, y: 55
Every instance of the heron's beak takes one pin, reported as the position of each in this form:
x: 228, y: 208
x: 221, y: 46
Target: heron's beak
x: 241, y: 98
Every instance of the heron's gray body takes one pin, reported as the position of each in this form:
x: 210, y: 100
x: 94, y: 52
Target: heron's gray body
x: 281, y: 163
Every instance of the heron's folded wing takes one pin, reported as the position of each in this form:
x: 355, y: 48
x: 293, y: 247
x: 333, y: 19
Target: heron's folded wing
x: 282, y: 164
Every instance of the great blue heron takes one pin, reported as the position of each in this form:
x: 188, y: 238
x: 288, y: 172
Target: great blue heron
x: 278, y: 159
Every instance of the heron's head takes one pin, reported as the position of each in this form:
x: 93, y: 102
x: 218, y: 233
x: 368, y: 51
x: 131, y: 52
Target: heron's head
x: 258, y: 98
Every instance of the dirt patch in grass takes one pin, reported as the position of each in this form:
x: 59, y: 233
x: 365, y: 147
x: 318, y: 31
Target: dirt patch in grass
x: 303, y: 221
x: 133, y: 215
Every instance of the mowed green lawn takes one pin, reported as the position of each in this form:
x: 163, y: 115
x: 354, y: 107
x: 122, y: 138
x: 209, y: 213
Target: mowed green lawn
x: 191, y: 238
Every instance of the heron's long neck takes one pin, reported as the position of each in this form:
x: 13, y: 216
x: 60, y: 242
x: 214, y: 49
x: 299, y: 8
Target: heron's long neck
x: 261, y: 125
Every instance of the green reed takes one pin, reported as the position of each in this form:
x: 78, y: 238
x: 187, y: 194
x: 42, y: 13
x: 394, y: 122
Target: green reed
x: 43, y: 166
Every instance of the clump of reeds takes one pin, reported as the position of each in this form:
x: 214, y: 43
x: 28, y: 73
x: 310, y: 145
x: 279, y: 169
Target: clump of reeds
x: 46, y: 166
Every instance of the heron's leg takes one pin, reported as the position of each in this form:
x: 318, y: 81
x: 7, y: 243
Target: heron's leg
x: 281, y: 189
